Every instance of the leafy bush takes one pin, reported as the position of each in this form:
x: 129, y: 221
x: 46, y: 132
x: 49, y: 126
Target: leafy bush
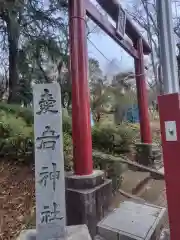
x: 103, y: 137
x: 67, y: 125
x: 16, y: 134
x: 67, y: 144
x: 17, y: 141
x: 113, y: 167
x: 16, y: 137
x: 114, y: 139
x: 18, y: 111
x: 27, y: 115
x: 127, y: 138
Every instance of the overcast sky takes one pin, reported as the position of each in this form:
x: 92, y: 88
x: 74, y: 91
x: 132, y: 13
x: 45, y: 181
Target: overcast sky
x: 111, y: 51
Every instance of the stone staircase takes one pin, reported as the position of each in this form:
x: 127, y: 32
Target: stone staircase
x: 142, y: 189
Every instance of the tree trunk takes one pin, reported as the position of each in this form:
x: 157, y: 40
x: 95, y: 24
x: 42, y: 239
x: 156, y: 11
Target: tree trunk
x: 13, y: 38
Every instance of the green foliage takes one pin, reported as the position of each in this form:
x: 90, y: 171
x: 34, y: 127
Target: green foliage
x: 16, y: 134
x: 116, y: 97
x: 27, y: 115
x: 111, y: 138
x: 34, y: 33
x: 103, y: 137
x: 67, y: 151
x: 112, y: 167
x: 16, y: 137
x: 17, y: 142
x: 127, y: 135
x: 18, y: 111
x: 67, y: 125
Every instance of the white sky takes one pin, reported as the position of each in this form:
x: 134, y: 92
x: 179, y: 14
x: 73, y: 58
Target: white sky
x: 111, y: 51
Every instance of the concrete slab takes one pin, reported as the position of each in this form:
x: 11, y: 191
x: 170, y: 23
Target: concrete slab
x: 133, y: 221
x: 79, y: 232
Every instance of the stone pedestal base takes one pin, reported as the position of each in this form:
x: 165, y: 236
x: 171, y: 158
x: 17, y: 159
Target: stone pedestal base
x: 144, y: 154
x: 73, y: 233
x: 87, y: 199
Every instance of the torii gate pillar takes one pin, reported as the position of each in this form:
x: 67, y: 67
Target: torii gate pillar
x: 88, y: 193
x: 81, y: 127
x: 142, y: 95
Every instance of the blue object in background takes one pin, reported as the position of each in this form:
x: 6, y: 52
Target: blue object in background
x: 132, y: 114
x: 92, y: 121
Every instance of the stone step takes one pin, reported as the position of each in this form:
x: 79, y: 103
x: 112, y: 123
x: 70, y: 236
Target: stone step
x: 154, y: 192
x: 151, y: 191
x: 133, y: 180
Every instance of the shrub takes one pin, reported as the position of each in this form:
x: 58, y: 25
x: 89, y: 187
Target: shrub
x: 16, y: 134
x: 67, y: 142
x: 112, y: 166
x: 127, y: 137
x: 103, y: 137
x: 18, y: 111
x: 16, y: 137
x: 114, y: 139
x: 27, y: 115
x: 67, y: 125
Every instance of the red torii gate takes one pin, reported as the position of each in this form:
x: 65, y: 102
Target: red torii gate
x: 78, y: 9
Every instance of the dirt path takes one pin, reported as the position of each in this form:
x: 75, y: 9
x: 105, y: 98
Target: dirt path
x: 16, y: 198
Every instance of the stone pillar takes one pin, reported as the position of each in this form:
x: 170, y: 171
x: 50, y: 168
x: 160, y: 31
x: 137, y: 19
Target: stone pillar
x: 49, y: 162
